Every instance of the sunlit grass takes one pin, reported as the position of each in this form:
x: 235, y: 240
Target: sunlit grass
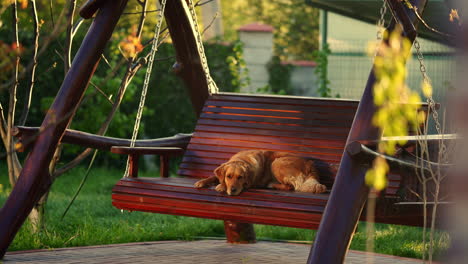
x: 94, y: 221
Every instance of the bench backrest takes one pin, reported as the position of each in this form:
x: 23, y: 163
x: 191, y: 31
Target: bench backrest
x: 311, y: 127
x: 314, y: 128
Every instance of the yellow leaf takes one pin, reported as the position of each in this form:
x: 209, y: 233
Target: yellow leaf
x: 370, y: 176
x: 23, y: 3
x: 18, y: 146
x: 380, y: 182
x: 427, y: 89
x: 454, y: 16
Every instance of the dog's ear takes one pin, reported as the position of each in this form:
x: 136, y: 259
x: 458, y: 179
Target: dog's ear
x: 248, y: 177
x: 219, y: 172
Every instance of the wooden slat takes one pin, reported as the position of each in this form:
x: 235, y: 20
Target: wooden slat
x: 282, y: 114
x: 313, y: 108
x: 312, y: 142
x: 185, y: 185
x: 195, y: 154
x: 275, y: 127
x: 291, y: 100
x: 219, y: 200
x: 328, y: 181
x: 278, y: 121
x: 195, y: 174
x: 197, y: 207
x: 215, y: 215
x: 217, y: 162
x: 233, y: 148
x: 284, y: 100
x: 249, y: 142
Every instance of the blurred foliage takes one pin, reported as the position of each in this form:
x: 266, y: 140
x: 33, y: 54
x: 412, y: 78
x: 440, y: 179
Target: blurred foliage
x: 280, y: 77
x: 397, y: 105
x: 321, y: 58
x: 168, y: 108
x: 296, y: 24
x: 238, y: 67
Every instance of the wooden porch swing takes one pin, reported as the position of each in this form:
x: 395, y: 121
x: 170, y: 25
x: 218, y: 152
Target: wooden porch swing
x: 324, y: 129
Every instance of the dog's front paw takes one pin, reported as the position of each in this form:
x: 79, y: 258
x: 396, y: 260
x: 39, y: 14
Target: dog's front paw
x: 200, y: 184
x: 220, y: 188
x: 318, y: 188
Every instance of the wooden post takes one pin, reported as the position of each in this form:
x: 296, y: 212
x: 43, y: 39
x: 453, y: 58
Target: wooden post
x: 239, y: 233
x: 164, y: 166
x: 349, y: 192
x: 133, y: 165
x: 34, y: 179
x: 188, y: 66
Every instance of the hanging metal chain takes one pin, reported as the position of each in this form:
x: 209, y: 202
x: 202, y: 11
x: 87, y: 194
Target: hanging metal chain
x: 427, y: 80
x: 430, y: 100
x: 144, y: 91
x: 381, y: 22
x: 212, y: 88
x: 380, y: 27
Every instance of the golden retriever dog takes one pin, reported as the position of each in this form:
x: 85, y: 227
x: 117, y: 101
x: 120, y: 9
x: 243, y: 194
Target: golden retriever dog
x: 260, y: 169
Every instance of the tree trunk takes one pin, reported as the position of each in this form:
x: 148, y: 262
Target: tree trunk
x: 37, y: 215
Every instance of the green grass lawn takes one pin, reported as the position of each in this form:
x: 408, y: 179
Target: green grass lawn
x: 93, y: 221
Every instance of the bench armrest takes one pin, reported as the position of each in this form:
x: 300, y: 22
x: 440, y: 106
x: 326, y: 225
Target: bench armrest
x: 164, y: 151
x: 134, y: 154
x: 365, y: 154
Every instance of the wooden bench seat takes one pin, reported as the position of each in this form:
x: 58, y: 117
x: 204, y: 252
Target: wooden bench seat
x: 315, y: 128
x: 178, y: 196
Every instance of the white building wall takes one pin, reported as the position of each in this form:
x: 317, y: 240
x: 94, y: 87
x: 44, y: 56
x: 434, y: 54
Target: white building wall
x: 258, y: 50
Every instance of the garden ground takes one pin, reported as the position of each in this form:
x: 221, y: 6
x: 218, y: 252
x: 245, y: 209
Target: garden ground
x: 204, y: 251
x: 93, y: 221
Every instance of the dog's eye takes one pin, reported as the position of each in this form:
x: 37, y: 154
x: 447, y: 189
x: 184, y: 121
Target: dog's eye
x: 240, y: 177
x: 229, y: 177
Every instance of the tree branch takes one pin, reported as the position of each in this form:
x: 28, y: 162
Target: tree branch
x: 200, y: 3
x: 108, y: 98
x: 10, y: 146
x: 69, y: 36
x: 211, y: 23
x: 13, y: 156
x: 29, y: 91
x: 77, y: 26
x: 51, y: 10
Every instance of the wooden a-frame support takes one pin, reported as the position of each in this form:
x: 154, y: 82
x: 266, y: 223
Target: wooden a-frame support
x: 349, y: 192
x: 34, y: 179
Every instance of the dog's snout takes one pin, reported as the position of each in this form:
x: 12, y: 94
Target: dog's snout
x: 233, y: 190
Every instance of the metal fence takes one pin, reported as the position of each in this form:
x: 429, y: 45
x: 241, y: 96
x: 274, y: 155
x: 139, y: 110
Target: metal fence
x: 349, y: 67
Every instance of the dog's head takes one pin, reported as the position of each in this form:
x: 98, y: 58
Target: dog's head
x: 235, y: 175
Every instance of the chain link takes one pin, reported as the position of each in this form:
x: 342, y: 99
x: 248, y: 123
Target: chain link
x: 154, y: 49
x: 212, y: 88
